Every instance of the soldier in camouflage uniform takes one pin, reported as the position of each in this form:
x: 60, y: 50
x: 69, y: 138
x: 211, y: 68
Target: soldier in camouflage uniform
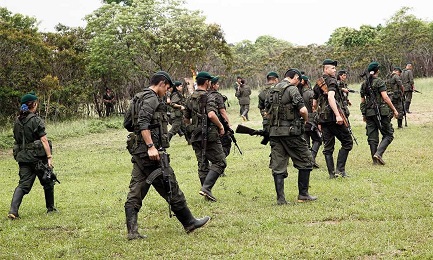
x: 243, y: 94
x: 408, y: 83
x: 31, y: 147
x: 272, y: 79
x: 396, y: 94
x: 287, y: 114
x: 177, y: 103
x: 327, y: 98
x: 311, y: 130
x: 146, y: 146
x: 373, y: 91
x: 201, y: 117
x: 226, y: 141
x: 344, y: 91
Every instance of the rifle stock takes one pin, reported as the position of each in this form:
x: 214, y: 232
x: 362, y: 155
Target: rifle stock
x: 346, y: 123
x: 241, y: 129
x: 163, y: 158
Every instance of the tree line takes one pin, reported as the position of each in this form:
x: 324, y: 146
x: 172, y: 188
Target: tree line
x: 125, y: 42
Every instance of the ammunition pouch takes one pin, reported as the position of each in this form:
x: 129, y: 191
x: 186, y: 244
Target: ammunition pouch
x: 288, y: 128
x: 30, y: 152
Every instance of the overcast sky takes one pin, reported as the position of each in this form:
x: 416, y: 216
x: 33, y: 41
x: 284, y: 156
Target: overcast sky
x: 300, y: 22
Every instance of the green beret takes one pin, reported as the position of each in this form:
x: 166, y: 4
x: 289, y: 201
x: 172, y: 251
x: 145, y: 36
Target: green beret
x: 28, y: 97
x: 341, y: 72
x: 374, y: 66
x: 214, y: 80
x: 177, y: 83
x: 204, y: 75
x: 166, y: 76
x: 304, y: 78
x: 272, y: 74
x: 329, y: 62
x: 398, y: 68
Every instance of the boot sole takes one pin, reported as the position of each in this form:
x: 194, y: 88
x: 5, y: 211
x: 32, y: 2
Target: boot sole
x: 379, y: 160
x: 207, y: 196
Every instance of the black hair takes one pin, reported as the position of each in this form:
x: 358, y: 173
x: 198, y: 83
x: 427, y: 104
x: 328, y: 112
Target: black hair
x: 23, y: 113
x: 200, y: 81
x: 158, y: 78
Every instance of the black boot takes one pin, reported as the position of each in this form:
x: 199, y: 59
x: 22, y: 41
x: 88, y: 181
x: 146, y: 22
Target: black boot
x: 279, y: 188
x: 49, y: 200
x: 188, y: 221
x: 131, y: 224
x: 209, y: 182
x: 380, y: 150
x: 330, y: 165
x: 169, y: 135
x: 314, y: 151
x: 341, y: 162
x: 17, y: 198
x: 407, y: 105
x: 303, y: 185
x: 373, y: 149
x: 400, y: 123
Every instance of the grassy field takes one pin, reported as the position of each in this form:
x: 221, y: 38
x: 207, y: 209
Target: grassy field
x: 380, y: 212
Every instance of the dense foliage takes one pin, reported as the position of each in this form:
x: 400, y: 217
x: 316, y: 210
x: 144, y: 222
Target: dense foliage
x: 124, y: 42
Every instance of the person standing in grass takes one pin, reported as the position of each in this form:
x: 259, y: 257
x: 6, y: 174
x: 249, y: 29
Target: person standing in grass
x: 396, y: 94
x: 287, y: 117
x: 408, y: 83
x: 202, y: 119
x: 373, y: 93
x: 327, y: 99
x: 243, y: 94
x: 147, y: 147
x: 177, y: 102
x: 31, y: 148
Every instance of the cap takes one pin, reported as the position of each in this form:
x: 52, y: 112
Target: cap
x: 165, y: 75
x: 329, y: 62
x: 28, y: 97
x: 204, y: 75
x: 214, y: 80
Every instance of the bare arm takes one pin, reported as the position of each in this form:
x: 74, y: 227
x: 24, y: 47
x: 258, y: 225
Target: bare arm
x: 152, y: 151
x: 333, y: 105
x: 47, y: 149
x: 304, y: 113
x: 223, y: 113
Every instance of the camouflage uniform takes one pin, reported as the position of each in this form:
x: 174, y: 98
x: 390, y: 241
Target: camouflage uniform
x: 213, y: 152
x: 286, y: 138
x: 226, y: 141
x: 243, y: 94
x: 397, y: 96
x: 408, y: 83
x: 372, y: 124
x: 332, y: 130
x: 262, y: 106
x: 176, y: 115
x: 29, y: 152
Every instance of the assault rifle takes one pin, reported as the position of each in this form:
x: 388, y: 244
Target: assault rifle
x: 414, y: 90
x: 48, y: 172
x: 352, y: 90
x: 165, y: 170
x: 229, y: 132
x: 241, y: 129
x: 372, y: 97
x: 346, y: 122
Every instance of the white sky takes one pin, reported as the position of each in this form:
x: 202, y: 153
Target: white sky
x: 300, y: 22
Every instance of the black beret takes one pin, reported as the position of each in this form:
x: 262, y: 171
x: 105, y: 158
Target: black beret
x: 166, y: 76
x: 204, y: 74
x: 374, y: 66
x: 28, y: 97
x: 272, y: 74
x: 214, y: 80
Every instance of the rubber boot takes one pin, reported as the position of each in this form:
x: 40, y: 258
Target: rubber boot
x: 303, y: 185
x: 188, y: 221
x: 314, y: 151
x: 208, y: 184
x: 373, y: 149
x: 131, y: 224
x: 341, y: 162
x: 380, y: 150
x: 49, y: 200
x: 400, y: 123
x: 330, y: 165
x: 17, y: 198
x: 279, y: 188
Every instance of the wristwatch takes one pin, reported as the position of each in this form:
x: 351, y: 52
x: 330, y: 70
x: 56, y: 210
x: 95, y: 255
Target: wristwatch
x: 149, y: 145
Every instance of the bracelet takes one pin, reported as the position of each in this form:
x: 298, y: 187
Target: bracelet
x: 49, y: 156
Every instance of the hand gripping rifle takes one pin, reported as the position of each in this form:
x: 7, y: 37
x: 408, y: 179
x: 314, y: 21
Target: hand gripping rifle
x: 229, y: 132
x: 241, y: 129
x: 346, y: 122
x: 372, y: 97
x: 48, y: 172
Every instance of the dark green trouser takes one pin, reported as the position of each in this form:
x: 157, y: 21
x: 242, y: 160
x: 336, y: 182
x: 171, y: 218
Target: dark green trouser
x: 214, y: 154
x: 372, y: 130
x: 285, y: 147
x: 175, y: 126
x: 142, y: 168
x: 28, y: 174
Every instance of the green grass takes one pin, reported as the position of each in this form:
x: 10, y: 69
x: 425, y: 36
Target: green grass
x: 380, y: 212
